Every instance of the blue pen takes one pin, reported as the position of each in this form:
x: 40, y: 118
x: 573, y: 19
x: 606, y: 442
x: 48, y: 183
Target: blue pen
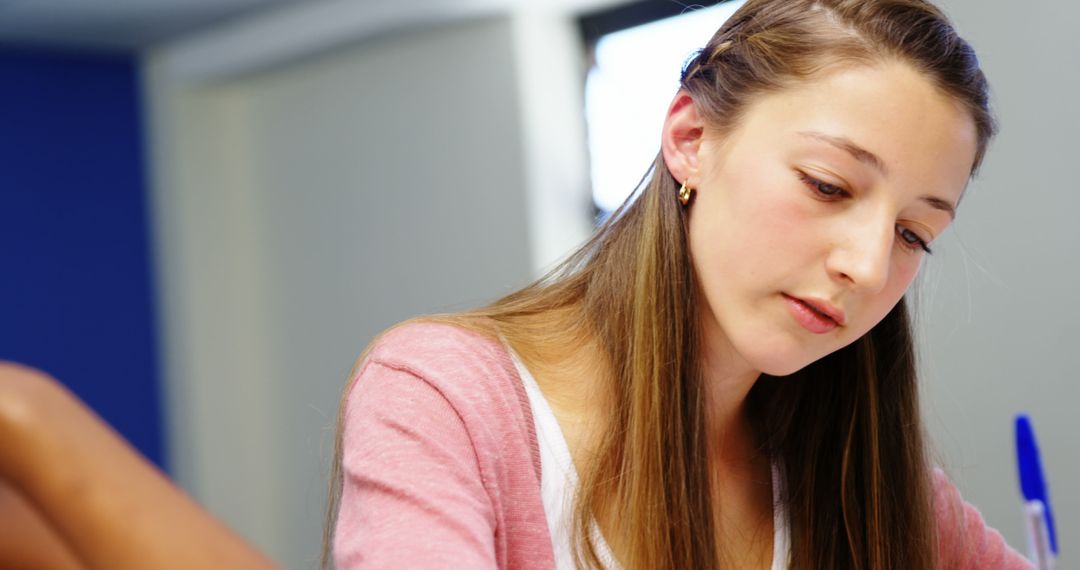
x: 1042, y: 540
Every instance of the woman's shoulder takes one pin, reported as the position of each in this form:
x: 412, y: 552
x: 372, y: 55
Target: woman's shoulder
x: 964, y: 539
x: 436, y: 339
x: 437, y: 349
x: 461, y: 360
x: 438, y: 439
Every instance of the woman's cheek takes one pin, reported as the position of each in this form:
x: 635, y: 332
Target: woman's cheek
x: 788, y: 219
x: 903, y: 273
x: 906, y: 268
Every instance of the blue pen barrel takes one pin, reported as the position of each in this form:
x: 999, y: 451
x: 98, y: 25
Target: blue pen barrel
x: 1038, y: 537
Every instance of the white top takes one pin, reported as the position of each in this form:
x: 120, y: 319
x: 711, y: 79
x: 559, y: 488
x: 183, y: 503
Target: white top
x: 559, y: 481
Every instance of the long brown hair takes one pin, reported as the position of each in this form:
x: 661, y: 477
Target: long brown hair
x: 846, y: 429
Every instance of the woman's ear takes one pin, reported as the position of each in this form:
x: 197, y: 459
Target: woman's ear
x: 681, y: 138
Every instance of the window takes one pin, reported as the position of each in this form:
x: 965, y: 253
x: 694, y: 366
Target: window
x: 637, y: 56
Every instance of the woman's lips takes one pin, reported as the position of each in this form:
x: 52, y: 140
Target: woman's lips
x: 809, y: 316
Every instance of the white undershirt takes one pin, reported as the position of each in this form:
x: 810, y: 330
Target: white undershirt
x: 559, y: 481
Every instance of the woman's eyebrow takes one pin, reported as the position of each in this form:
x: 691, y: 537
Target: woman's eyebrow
x: 846, y: 144
x: 867, y: 157
x: 939, y: 204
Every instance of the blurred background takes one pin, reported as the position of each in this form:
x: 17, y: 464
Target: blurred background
x: 209, y: 207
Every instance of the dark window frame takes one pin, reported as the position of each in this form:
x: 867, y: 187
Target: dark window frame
x: 597, y: 24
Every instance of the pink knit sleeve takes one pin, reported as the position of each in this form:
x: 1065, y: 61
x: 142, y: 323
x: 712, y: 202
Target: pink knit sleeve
x: 412, y: 494
x: 964, y: 539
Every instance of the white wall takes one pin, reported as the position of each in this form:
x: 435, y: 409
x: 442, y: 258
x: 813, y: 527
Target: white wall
x: 212, y: 306
x: 998, y: 307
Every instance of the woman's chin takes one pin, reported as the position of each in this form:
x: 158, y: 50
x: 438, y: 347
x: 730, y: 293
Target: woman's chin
x: 783, y: 355
x: 783, y: 369
x: 782, y: 363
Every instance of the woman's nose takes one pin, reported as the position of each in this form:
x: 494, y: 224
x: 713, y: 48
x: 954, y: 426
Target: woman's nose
x: 862, y: 257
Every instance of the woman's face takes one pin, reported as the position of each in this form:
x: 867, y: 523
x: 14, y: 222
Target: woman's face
x: 820, y: 201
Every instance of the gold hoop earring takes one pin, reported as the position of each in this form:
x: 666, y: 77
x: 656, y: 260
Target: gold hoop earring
x: 685, y: 193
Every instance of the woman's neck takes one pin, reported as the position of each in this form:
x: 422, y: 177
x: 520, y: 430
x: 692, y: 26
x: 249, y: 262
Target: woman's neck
x: 727, y: 380
x: 741, y: 474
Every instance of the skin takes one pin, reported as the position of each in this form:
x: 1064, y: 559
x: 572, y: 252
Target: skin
x: 758, y: 230
x: 74, y: 494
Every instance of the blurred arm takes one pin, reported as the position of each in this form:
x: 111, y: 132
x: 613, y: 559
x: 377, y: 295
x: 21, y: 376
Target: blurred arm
x: 26, y: 539
x: 110, y: 506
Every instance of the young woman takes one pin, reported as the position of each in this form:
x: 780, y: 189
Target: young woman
x: 723, y: 376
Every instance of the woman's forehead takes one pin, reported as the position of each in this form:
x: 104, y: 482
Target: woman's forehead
x: 890, y: 119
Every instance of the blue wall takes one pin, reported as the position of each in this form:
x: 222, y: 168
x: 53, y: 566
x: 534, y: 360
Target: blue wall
x: 75, y: 275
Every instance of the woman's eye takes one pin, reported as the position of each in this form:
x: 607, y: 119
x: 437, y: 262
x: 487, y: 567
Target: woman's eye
x: 912, y: 240
x: 823, y: 189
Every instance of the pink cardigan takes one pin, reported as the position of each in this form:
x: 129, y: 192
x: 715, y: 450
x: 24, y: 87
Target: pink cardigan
x: 442, y: 468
